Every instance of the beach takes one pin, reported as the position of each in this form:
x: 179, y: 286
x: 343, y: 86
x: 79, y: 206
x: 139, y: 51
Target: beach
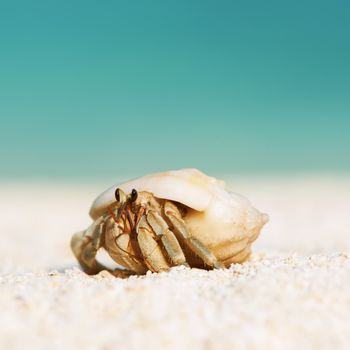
x: 294, y: 292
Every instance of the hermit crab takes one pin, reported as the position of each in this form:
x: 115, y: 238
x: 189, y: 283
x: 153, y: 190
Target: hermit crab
x: 180, y: 217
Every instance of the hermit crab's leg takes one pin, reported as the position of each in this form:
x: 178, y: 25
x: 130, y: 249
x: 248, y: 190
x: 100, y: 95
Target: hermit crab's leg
x: 169, y: 240
x: 151, y: 251
x: 121, y: 273
x: 174, y: 216
x: 85, y: 246
x: 119, y: 247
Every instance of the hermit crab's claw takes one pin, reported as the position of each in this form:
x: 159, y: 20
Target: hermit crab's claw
x: 85, y: 245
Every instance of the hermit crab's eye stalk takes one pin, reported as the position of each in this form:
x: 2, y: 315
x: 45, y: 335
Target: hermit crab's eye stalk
x: 117, y: 195
x: 133, y: 196
x: 120, y: 196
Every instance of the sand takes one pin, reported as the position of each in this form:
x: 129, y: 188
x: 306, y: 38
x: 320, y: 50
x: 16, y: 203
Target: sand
x: 293, y: 293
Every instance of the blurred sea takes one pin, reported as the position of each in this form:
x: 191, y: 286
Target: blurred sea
x: 94, y: 90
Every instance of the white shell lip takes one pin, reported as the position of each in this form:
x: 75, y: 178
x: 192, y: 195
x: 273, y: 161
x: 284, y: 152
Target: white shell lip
x: 190, y: 187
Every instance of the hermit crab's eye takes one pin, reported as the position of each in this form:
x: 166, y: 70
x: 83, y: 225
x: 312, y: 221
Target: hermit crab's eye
x: 120, y: 196
x: 133, y: 196
x: 117, y: 194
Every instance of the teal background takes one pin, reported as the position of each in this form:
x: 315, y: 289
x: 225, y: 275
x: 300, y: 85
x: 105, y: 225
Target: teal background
x: 105, y: 88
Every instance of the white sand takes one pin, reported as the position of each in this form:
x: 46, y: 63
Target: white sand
x: 294, y: 293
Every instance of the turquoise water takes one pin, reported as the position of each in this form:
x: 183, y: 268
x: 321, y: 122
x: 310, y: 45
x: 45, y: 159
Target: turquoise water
x: 96, y: 88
